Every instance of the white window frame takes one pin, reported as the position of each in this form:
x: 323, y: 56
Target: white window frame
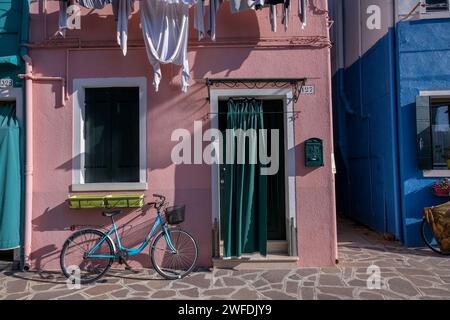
x: 436, y: 173
x: 78, y: 146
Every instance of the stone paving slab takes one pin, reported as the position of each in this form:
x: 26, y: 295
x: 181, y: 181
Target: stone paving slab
x: 410, y: 274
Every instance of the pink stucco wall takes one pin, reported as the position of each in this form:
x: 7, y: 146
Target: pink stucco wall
x: 235, y: 55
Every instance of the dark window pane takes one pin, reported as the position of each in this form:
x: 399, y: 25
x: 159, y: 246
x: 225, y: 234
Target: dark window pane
x: 112, y: 135
x: 437, y: 5
x: 440, y: 126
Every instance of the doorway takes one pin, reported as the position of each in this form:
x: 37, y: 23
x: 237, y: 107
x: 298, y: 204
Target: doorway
x: 10, y: 181
x: 253, y: 210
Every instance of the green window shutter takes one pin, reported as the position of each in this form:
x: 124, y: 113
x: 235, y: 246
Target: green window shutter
x: 112, y: 135
x: 423, y: 124
x: 125, y: 135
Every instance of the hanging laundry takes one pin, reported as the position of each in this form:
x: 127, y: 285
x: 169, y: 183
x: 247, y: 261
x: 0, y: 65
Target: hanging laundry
x: 241, y: 5
x: 62, y: 23
x: 122, y: 11
x: 199, y: 16
x: 65, y: 4
x: 273, y: 17
x: 199, y: 19
x: 165, y: 25
x: 259, y: 4
x: 273, y: 13
x: 302, y: 12
x: 214, y: 6
x: 94, y: 4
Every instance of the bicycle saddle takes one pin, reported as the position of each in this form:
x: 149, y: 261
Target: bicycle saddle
x: 110, y: 214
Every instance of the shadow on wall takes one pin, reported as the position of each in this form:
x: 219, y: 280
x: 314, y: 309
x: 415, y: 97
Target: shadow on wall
x: 133, y: 226
x: 316, y: 10
x: 210, y: 61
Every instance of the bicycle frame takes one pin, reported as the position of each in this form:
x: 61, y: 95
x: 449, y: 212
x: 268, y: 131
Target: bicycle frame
x: 135, y: 251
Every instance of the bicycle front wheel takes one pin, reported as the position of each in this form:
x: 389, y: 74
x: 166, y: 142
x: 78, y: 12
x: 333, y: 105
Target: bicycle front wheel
x: 174, y: 265
x: 428, y: 237
x: 74, y: 262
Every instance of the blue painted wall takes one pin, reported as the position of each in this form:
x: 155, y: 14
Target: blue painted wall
x: 367, y: 180
x: 423, y: 63
x: 379, y: 182
x: 365, y: 116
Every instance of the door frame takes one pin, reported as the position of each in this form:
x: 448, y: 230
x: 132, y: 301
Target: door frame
x: 15, y: 95
x: 286, y: 95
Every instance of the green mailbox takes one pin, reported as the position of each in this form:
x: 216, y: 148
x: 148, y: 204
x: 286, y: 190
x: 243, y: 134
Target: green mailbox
x: 314, y: 153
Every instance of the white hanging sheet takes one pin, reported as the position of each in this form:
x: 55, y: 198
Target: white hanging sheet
x: 165, y: 26
x: 122, y: 11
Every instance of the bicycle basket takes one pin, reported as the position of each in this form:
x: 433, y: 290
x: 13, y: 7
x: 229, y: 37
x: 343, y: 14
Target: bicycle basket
x: 175, y: 214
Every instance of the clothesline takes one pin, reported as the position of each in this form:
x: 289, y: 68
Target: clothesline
x: 165, y: 25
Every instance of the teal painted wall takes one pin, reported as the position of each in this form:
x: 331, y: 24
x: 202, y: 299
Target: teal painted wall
x: 14, y: 30
x: 14, y: 17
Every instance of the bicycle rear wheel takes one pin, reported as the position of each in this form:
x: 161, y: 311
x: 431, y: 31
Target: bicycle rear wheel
x: 74, y: 263
x: 172, y: 265
x: 429, y: 239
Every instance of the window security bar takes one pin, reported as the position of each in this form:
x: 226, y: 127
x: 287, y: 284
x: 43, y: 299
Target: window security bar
x: 296, y: 84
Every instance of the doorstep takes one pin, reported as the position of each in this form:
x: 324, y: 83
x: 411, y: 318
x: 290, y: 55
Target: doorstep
x: 9, y: 265
x: 256, y: 261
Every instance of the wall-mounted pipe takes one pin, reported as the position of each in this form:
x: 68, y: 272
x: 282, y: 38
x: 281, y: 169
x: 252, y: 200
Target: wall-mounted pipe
x: 28, y: 160
x: 29, y: 166
x: 29, y: 76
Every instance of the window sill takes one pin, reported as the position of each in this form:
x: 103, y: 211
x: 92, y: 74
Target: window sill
x: 436, y: 174
x: 132, y: 186
x: 427, y: 16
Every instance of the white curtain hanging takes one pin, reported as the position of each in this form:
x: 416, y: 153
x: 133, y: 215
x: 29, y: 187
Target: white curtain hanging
x: 165, y: 26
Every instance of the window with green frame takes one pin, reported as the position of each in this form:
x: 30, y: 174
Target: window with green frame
x: 111, y: 135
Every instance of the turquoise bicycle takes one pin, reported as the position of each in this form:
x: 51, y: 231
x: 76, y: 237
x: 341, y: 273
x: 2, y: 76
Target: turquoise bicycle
x: 88, y: 254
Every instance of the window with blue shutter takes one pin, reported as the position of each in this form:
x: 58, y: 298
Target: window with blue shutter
x: 111, y: 135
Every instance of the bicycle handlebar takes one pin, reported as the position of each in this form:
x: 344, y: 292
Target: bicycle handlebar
x: 160, y: 204
x: 159, y: 196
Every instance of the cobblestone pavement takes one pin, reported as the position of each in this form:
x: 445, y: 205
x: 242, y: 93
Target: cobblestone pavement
x: 405, y: 274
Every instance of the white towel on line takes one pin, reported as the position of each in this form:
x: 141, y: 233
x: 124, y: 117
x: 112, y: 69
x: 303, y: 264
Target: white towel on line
x: 165, y: 26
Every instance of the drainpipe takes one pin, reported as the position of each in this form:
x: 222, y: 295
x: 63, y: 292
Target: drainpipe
x: 28, y: 160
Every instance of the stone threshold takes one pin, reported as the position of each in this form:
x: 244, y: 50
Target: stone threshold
x: 271, y: 261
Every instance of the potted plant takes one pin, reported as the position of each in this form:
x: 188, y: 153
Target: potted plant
x: 441, y: 188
